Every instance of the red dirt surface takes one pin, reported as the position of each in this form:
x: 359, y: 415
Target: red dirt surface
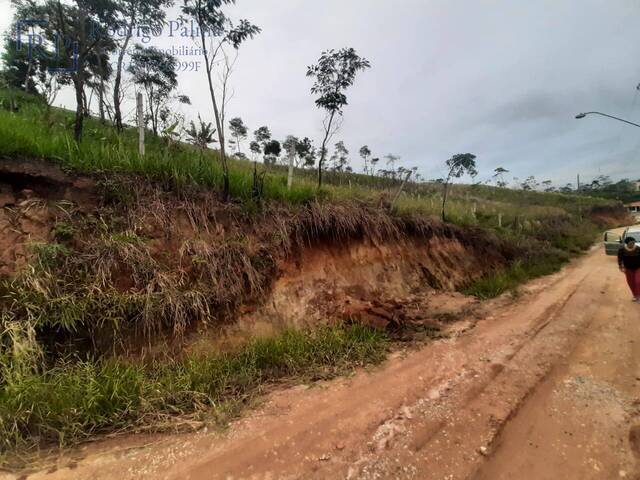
x: 545, y: 386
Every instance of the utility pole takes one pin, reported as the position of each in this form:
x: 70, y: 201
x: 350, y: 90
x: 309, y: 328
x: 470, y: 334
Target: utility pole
x: 578, y: 183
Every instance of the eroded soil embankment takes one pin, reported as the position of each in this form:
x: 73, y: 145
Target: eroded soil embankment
x: 369, y: 282
x: 121, y: 251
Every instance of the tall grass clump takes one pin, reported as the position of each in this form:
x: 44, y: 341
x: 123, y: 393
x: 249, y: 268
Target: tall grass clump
x: 73, y: 400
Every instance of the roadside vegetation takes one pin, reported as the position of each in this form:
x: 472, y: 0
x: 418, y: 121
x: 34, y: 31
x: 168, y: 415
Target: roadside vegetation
x: 75, y: 314
x: 63, y: 375
x: 74, y: 399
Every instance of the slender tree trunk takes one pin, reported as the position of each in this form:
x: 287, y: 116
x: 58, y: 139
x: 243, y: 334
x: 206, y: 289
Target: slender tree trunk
x: 29, y: 64
x: 85, y: 103
x: 323, y: 150
x: 78, y: 85
x: 101, y: 100
x: 118, y: 80
x: 28, y: 76
x: 140, y: 119
x: 444, y: 197
x: 153, y: 113
x: 219, y: 120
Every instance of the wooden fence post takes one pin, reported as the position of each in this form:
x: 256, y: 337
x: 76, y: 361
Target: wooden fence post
x: 290, y: 177
x: 406, y: 179
x: 140, y: 108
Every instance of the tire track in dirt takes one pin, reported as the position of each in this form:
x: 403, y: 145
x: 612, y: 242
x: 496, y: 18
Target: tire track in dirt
x: 579, y: 422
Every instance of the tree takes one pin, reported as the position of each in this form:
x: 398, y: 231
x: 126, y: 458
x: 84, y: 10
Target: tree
x: 201, y: 135
x: 23, y: 65
x: 334, y: 73
x: 548, y: 186
x: 156, y: 72
x: 255, y: 148
x: 340, y: 157
x: 239, y: 131
x: 601, y: 182
x: 365, y: 153
x: 262, y: 135
x: 391, y: 161
x: 272, y: 151
x: 290, y: 146
x: 458, y: 165
x: 170, y: 120
x: 27, y: 58
x: 217, y: 33
x: 132, y: 15
x: 374, y: 162
x: 568, y: 188
x: 101, y: 70
x: 498, y: 174
x: 82, y: 26
x: 530, y: 183
x: 306, y: 152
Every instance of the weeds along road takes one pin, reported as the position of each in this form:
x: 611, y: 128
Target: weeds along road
x: 544, y: 387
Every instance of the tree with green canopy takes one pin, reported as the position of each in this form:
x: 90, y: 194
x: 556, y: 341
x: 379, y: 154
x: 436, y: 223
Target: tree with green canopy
x: 334, y: 73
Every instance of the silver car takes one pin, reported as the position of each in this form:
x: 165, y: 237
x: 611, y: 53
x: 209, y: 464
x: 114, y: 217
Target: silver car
x: 613, y: 241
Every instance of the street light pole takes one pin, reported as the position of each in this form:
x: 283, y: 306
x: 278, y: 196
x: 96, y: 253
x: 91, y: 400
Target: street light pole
x: 582, y: 115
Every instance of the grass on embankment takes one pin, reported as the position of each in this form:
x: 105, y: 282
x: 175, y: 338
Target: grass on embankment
x: 35, y: 132
x: 74, y: 400
x: 511, y: 278
x: 547, y: 249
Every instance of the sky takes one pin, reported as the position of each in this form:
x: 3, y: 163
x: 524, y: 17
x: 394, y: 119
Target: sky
x: 500, y: 79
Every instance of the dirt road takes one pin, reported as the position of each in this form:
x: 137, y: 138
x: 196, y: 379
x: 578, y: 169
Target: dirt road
x: 544, y: 387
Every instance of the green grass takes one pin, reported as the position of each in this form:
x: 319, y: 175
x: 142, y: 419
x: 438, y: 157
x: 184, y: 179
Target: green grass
x: 27, y: 133
x: 31, y: 132
x: 499, y: 282
x: 547, y: 245
x: 73, y: 400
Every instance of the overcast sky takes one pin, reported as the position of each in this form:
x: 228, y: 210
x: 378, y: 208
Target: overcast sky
x: 500, y: 79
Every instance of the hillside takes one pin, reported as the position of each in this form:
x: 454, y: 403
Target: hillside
x: 133, y: 298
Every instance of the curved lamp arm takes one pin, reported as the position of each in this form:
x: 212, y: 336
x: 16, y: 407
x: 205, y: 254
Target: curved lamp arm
x: 582, y: 115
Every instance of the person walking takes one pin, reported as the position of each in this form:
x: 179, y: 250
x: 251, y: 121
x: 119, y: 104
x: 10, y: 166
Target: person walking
x: 629, y: 262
